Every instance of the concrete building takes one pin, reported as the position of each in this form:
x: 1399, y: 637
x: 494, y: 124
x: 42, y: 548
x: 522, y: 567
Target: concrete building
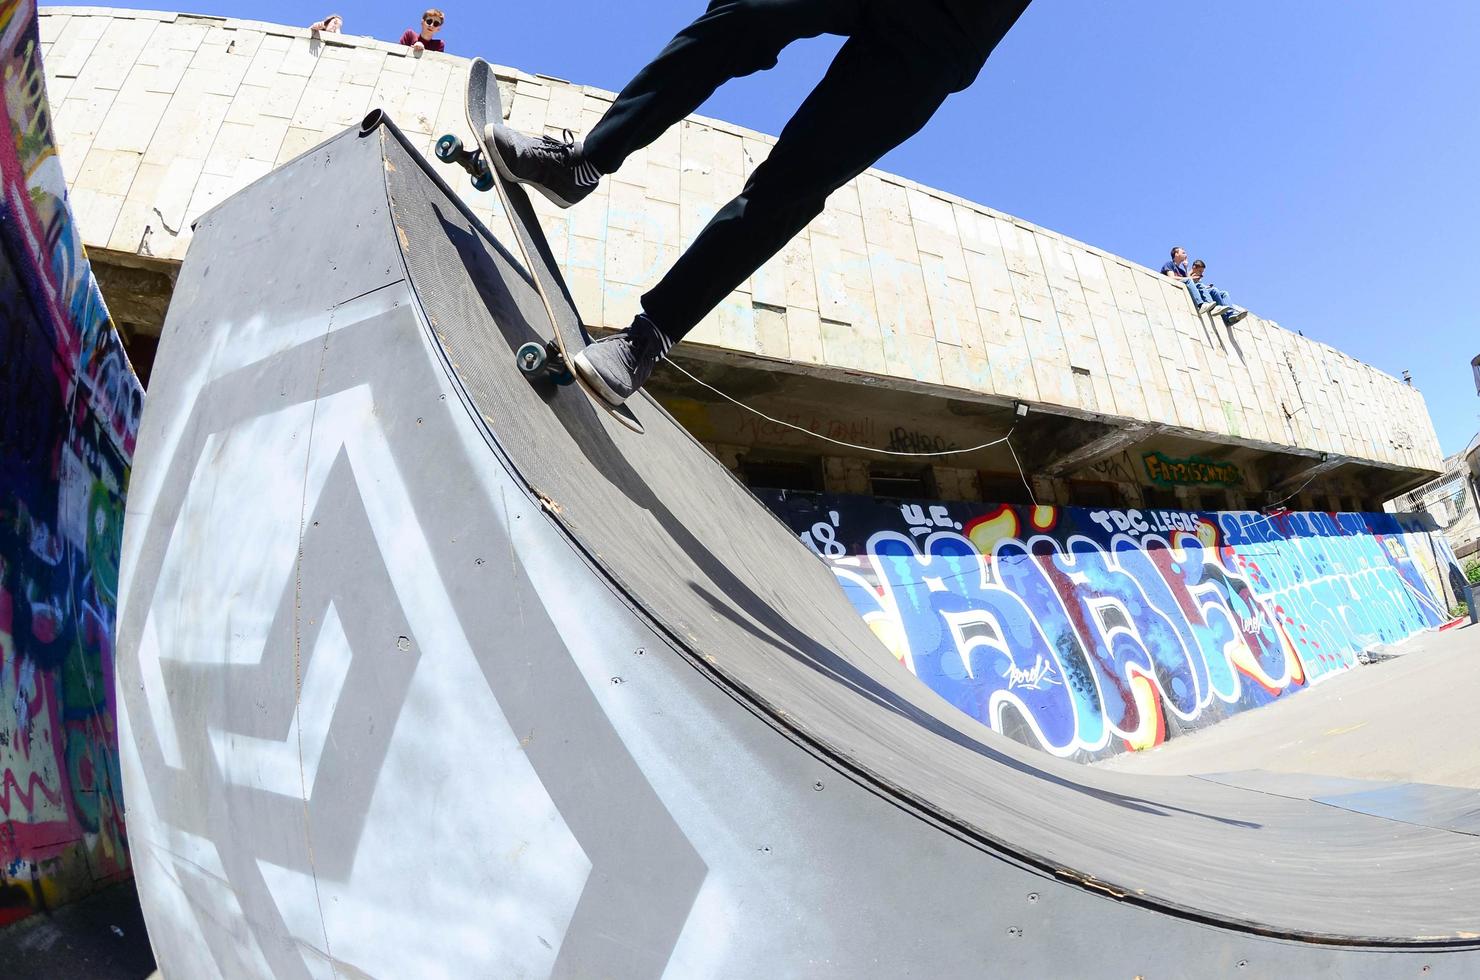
x: 1471, y: 464
x: 902, y: 319
x: 1451, y: 500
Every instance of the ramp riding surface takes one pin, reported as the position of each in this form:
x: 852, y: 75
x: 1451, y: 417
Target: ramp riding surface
x: 424, y: 668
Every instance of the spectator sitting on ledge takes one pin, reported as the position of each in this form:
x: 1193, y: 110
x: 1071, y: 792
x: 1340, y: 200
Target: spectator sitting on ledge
x: 1179, y: 270
x: 431, y: 23
x: 1207, y: 293
x: 329, y: 25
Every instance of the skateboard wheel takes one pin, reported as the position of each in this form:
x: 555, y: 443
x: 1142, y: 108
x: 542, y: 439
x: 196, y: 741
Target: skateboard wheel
x: 448, y: 147
x: 483, y: 181
x: 531, y: 357
x: 563, y: 377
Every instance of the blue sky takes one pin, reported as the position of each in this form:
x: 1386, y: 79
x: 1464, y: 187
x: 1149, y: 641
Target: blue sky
x: 1317, y: 154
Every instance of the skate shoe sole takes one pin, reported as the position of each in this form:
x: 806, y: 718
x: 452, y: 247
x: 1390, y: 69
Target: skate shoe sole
x: 594, y: 380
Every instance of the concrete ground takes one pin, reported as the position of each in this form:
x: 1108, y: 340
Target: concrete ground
x: 102, y: 937
x: 1410, y: 718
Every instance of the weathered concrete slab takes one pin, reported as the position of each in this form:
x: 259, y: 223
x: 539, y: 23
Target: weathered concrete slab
x: 161, y: 115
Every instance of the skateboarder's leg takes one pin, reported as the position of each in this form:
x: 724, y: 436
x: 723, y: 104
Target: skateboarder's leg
x: 875, y: 95
x: 731, y: 39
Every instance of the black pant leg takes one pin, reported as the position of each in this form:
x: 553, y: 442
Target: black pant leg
x: 732, y: 38
x: 878, y: 92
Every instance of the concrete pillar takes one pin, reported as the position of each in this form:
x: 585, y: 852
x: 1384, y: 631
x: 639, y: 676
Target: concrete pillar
x: 845, y: 474
x: 1050, y: 490
x: 955, y: 483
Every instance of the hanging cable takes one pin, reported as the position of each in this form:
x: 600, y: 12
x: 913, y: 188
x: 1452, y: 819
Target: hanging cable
x: 840, y: 442
x: 1004, y: 440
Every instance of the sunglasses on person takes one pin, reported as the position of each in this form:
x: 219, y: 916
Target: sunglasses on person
x: 432, y: 21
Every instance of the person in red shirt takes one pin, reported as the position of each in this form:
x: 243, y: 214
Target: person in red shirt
x: 431, y: 23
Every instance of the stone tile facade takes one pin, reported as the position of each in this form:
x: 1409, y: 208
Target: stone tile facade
x: 162, y: 115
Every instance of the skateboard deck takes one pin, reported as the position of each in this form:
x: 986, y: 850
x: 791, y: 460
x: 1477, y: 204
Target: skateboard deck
x: 484, y: 106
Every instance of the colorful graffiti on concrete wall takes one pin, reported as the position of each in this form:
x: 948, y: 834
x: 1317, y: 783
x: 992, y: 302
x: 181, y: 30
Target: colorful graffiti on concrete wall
x: 1088, y: 632
x: 69, y: 407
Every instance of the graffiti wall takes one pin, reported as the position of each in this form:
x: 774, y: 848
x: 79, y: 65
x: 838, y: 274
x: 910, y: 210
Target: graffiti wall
x: 69, y: 407
x: 1088, y: 632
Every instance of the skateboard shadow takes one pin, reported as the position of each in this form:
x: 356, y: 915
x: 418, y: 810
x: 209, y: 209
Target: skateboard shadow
x: 518, y: 323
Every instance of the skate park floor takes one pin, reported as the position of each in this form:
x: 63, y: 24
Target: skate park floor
x: 1404, y: 719
x: 101, y: 937
x: 1399, y: 719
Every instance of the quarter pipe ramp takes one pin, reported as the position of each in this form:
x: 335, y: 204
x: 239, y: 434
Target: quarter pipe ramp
x: 427, y: 671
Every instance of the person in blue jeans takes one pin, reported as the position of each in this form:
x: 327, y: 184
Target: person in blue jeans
x: 1179, y: 270
x: 1207, y: 298
x: 1214, y: 299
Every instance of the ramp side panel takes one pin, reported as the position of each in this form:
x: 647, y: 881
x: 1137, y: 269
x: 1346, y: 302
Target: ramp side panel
x: 378, y: 712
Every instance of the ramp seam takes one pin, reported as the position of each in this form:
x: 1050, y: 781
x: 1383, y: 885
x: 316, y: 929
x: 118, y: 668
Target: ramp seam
x: 298, y: 642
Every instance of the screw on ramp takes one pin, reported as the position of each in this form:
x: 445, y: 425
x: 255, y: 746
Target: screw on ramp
x: 424, y: 666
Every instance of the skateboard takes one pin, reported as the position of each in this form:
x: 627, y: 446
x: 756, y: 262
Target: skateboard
x: 548, y: 361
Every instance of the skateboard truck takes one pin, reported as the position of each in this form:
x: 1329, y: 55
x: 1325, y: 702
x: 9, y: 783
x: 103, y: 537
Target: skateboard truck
x: 543, y: 360
x: 450, y: 149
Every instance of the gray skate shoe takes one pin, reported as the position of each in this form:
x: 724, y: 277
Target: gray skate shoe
x: 619, y: 365
x: 555, y: 168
